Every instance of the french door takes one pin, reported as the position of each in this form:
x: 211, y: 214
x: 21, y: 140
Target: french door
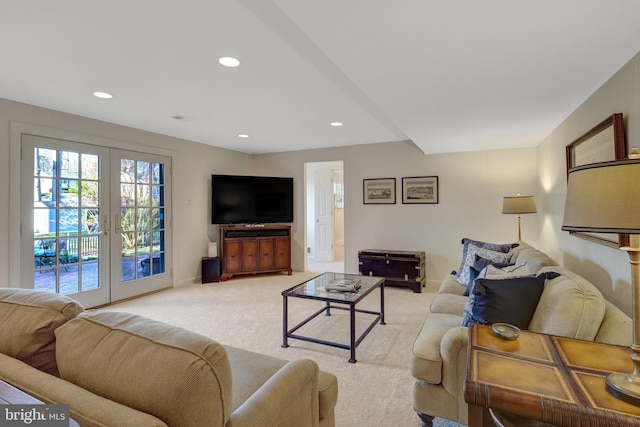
x: 94, y: 220
x: 141, y: 212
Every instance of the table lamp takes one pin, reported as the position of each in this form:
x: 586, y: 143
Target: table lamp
x: 605, y: 198
x: 519, y: 205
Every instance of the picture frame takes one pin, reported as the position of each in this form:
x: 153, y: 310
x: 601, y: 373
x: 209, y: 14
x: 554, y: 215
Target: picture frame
x: 420, y: 190
x: 604, y: 142
x: 379, y: 191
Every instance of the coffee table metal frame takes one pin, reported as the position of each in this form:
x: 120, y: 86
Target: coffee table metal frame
x: 316, y: 289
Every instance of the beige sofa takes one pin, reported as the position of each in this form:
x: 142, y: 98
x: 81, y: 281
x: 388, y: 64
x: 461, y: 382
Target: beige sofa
x: 569, y: 306
x: 119, y: 369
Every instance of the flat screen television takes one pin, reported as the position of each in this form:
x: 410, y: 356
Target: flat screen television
x: 237, y: 199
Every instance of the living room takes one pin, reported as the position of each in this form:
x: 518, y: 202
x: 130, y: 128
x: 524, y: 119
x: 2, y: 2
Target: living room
x: 472, y: 185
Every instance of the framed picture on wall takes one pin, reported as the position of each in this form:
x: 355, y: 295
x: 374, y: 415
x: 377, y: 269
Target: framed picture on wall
x: 379, y: 191
x: 420, y: 190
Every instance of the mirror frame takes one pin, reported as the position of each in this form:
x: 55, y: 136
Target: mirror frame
x: 617, y: 151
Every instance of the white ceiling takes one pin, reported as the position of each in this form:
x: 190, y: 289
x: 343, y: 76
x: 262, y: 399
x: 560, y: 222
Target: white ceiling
x: 450, y: 75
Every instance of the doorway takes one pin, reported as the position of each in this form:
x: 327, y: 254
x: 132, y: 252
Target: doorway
x: 325, y: 206
x: 93, y: 220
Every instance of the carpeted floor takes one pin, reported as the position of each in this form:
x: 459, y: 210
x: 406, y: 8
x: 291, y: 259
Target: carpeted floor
x: 246, y: 312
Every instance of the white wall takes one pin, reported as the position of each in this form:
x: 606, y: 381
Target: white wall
x: 608, y: 268
x: 193, y: 165
x: 471, y: 187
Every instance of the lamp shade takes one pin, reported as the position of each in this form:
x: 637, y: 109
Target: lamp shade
x: 519, y: 205
x: 604, y: 198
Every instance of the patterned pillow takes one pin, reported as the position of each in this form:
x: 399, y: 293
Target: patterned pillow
x: 498, y: 247
x: 464, y: 277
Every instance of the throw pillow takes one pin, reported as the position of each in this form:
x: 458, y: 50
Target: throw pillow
x: 479, y: 266
x: 464, y: 277
x: 509, y: 300
x: 498, y: 247
x: 514, y: 270
x: 471, y: 316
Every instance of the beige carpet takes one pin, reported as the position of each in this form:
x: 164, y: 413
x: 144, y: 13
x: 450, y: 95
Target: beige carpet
x: 246, y: 312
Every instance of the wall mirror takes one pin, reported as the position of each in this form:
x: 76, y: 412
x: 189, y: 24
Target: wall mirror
x: 605, y: 142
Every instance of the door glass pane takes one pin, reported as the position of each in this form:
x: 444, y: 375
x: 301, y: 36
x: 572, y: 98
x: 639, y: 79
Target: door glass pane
x: 143, y: 195
x: 143, y: 172
x: 128, y: 194
x: 90, y: 193
x: 142, y: 203
x: 143, y: 221
x: 157, y: 195
x: 90, y: 166
x: 68, y: 191
x: 66, y: 233
x: 90, y: 221
x: 156, y: 171
x: 69, y: 163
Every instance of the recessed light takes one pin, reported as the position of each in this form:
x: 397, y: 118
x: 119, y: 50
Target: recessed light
x: 336, y: 124
x: 229, y: 61
x: 243, y: 135
x: 103, y: 95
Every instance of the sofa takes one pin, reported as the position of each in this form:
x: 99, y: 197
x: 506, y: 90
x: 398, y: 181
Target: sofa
x: 120, y: 369
x: 566, y: 305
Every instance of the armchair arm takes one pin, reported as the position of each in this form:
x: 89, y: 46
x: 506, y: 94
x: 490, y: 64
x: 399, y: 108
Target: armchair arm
x: 288, y: 398
x: 453, y: 348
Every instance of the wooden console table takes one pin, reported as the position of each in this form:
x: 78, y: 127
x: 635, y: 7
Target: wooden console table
x: 560, y: 381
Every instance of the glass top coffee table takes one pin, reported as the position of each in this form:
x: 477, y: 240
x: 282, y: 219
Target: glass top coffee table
x: 316, y: 289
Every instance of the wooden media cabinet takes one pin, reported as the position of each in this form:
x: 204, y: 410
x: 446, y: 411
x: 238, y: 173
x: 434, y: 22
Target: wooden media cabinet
x: 255, y: 249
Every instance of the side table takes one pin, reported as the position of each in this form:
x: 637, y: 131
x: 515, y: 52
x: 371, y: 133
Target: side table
x: 556, y: 380
x: 210, y: 269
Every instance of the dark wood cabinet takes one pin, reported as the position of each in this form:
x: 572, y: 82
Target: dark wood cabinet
x: 399, y: 268
x: 282, y: 255
x: 251, y: 250
x: 266, y: 261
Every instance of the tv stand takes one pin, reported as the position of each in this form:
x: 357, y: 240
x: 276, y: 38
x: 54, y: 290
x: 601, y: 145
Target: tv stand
x: 255, y: 249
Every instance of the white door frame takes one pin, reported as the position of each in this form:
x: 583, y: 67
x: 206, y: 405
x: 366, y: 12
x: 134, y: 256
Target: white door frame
x: 16, y: 130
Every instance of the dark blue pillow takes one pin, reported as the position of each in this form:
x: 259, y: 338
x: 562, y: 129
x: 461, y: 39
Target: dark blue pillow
x: 511, y: 300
